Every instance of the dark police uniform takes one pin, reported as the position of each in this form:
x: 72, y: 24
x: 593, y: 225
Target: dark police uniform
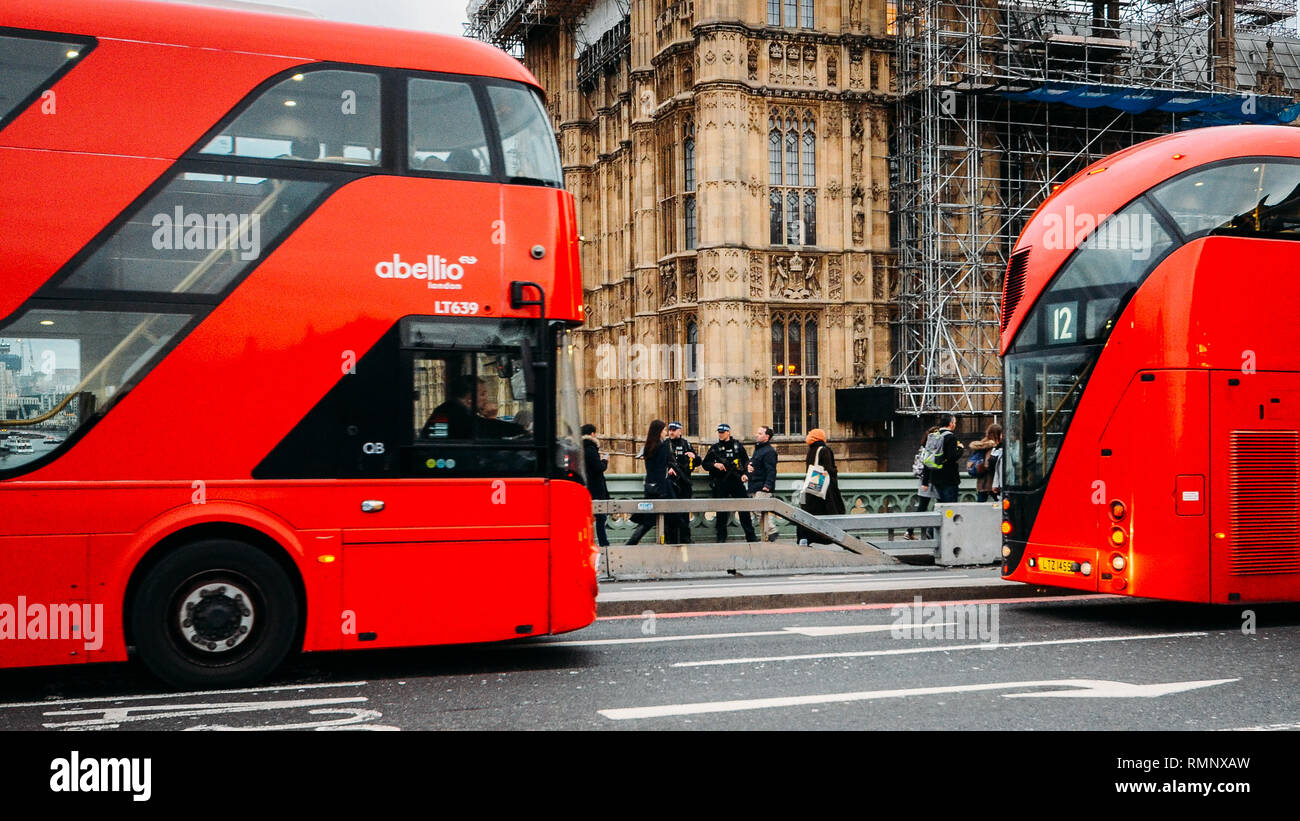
x: 729, y: 483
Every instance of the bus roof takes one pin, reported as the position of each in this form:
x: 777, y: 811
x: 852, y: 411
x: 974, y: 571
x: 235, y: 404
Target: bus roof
x: 227, y: 29
x: 1109, y: 184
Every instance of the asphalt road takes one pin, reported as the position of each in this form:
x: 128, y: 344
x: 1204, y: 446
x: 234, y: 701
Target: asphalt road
x: 1079, y: 663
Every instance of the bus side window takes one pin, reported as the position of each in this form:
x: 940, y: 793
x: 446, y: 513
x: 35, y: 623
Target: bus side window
x: 445, y: 132
x: 328, y: 116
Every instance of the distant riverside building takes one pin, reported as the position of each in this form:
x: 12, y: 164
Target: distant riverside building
x: 729, y: 162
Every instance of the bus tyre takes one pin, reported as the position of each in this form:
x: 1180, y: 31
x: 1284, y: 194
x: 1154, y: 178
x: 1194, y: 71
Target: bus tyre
x: 214, y: 613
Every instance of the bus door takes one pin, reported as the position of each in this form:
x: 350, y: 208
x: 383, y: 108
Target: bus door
x: 1255, y: 499
x: 457, y: 549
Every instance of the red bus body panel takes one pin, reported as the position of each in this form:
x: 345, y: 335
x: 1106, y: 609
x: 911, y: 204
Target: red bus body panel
x: 1220, y: 352
x: 446, y: 560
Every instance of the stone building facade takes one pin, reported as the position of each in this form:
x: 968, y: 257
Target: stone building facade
x: 729, y: 162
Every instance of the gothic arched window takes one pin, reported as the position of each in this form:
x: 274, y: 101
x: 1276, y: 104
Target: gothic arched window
x: 792, y: 178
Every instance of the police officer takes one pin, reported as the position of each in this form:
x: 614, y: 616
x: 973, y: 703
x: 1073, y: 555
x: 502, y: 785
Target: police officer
x: 728, y: 467
x: 687, y: 461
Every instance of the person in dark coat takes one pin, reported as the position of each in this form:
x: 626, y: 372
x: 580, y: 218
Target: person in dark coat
x: 685, y: 462
x: 658, y: 481
x: 833, y: 505
x: 728, y: 467
x: 596, y: 477
x: 762, y: 473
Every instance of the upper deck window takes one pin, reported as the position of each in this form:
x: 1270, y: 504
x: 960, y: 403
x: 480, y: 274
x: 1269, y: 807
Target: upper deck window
x: 1246, y: 197
x: 445, y: 130
x: 527, y: 142
x: 28, y: 64
x: 326, y: 116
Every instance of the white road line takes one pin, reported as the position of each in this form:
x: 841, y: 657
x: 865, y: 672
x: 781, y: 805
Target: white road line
x: 808, y: 632
x: 183, y: 695
x: 123, y: 714
x: 902, y: 651
x: 1112, y: 689
x: 1294, y: 725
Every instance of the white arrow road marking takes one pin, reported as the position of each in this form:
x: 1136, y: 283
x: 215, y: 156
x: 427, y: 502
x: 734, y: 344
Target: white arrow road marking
x: 191, y: 694
x: 352, y: 720
x: 810, y: 632
x: 1294, y: 725
x: 902, y: 651
x: 1118, y: 689
x: 1089, y: 687
x: 117, y: 715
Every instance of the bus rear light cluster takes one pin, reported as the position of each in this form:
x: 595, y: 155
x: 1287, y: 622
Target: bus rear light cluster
x: 1117, y: 510
x: 1118, y: 537
x: 1006, y: 528
x: 1118, y: 562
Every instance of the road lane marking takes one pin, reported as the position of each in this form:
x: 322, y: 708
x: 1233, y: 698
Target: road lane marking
x: 836, y: 608
x: 183, y: 695
x: 1089, y: 688
x: 902, y: 651
x: 808, y: 632
x: 117, y: 715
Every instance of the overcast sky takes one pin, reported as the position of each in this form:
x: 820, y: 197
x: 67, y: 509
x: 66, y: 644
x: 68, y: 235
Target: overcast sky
x: 444, y: 16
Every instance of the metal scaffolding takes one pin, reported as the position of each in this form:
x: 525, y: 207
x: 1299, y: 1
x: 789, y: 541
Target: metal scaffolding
x: 994, y: 110
x: 507, y: 23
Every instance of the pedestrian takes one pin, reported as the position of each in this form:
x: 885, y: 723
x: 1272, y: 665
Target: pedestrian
x: 762, y: 474
x: 924, y: 492
x: 686, y: 460
x: 819, y: 453
x: 596, y: 466
x: 983, y: 460
x: 658, y: 484
x: 728, y: 466
x: 946, y: 479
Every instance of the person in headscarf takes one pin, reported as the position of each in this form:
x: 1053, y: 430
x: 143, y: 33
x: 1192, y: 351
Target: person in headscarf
x: 833, y: 505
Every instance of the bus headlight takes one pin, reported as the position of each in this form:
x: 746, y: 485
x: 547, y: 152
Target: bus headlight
x: 1086, y: 568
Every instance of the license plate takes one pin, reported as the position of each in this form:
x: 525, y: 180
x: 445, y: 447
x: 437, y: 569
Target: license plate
x: 1058, y: 566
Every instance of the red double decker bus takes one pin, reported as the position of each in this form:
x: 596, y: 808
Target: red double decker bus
x: 284, y: 343
x: 1152, y: 368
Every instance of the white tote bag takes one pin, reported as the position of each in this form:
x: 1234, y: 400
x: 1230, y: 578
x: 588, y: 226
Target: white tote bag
x: 818, y: 481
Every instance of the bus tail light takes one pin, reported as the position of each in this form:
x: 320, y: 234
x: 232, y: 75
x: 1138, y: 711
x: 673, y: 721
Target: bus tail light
x: 1117, y: 510
x: 1006, y: 528
x: 1118, y: 537
x: 1118, y: 562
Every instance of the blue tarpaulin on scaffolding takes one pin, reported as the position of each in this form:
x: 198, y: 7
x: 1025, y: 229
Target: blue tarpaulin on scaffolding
x: 1203, y: 108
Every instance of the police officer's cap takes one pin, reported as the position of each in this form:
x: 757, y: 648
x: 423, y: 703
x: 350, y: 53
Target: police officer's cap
x: 723, y: 427
x: 674, y: 425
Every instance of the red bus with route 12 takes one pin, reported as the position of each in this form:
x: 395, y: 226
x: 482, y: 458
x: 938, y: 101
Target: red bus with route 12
x: 285, y: 353
x: 1152, y: 367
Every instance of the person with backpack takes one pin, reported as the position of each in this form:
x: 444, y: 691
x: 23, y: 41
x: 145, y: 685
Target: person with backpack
x: 924, y: 492
x: 944, y: 474
x: 982, y: 465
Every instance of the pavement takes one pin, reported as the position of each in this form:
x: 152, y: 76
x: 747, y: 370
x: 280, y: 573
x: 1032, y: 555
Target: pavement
x: 889, y: 584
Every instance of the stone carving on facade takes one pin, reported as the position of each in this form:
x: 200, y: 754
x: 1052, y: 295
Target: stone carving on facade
x: 878, y: 192
x: 832, y: 71
x: 755, y: 275
x: 855, y: 68
x: 855, y: 14
x: 751, y: 64
x: 690, y: 287
x: 860, y: 343
x: 833, y: 189
x: 859, y: 214
x: 647, y: 103
x: 835, y: 316
x: 834, y: 279
x: 794, y: 277
x: 712, y: 274
x: 667, y: 284
x: 878, y: 286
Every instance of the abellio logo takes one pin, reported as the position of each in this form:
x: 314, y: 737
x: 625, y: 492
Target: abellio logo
x: 436, y: 271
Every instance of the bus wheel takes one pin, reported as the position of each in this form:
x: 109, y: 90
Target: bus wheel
x: 214, y: 613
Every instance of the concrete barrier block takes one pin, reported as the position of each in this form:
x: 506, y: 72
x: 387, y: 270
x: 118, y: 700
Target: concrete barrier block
x: 969, y: 533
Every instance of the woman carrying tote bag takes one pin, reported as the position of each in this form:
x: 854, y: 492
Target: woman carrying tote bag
x: 820, y: 458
